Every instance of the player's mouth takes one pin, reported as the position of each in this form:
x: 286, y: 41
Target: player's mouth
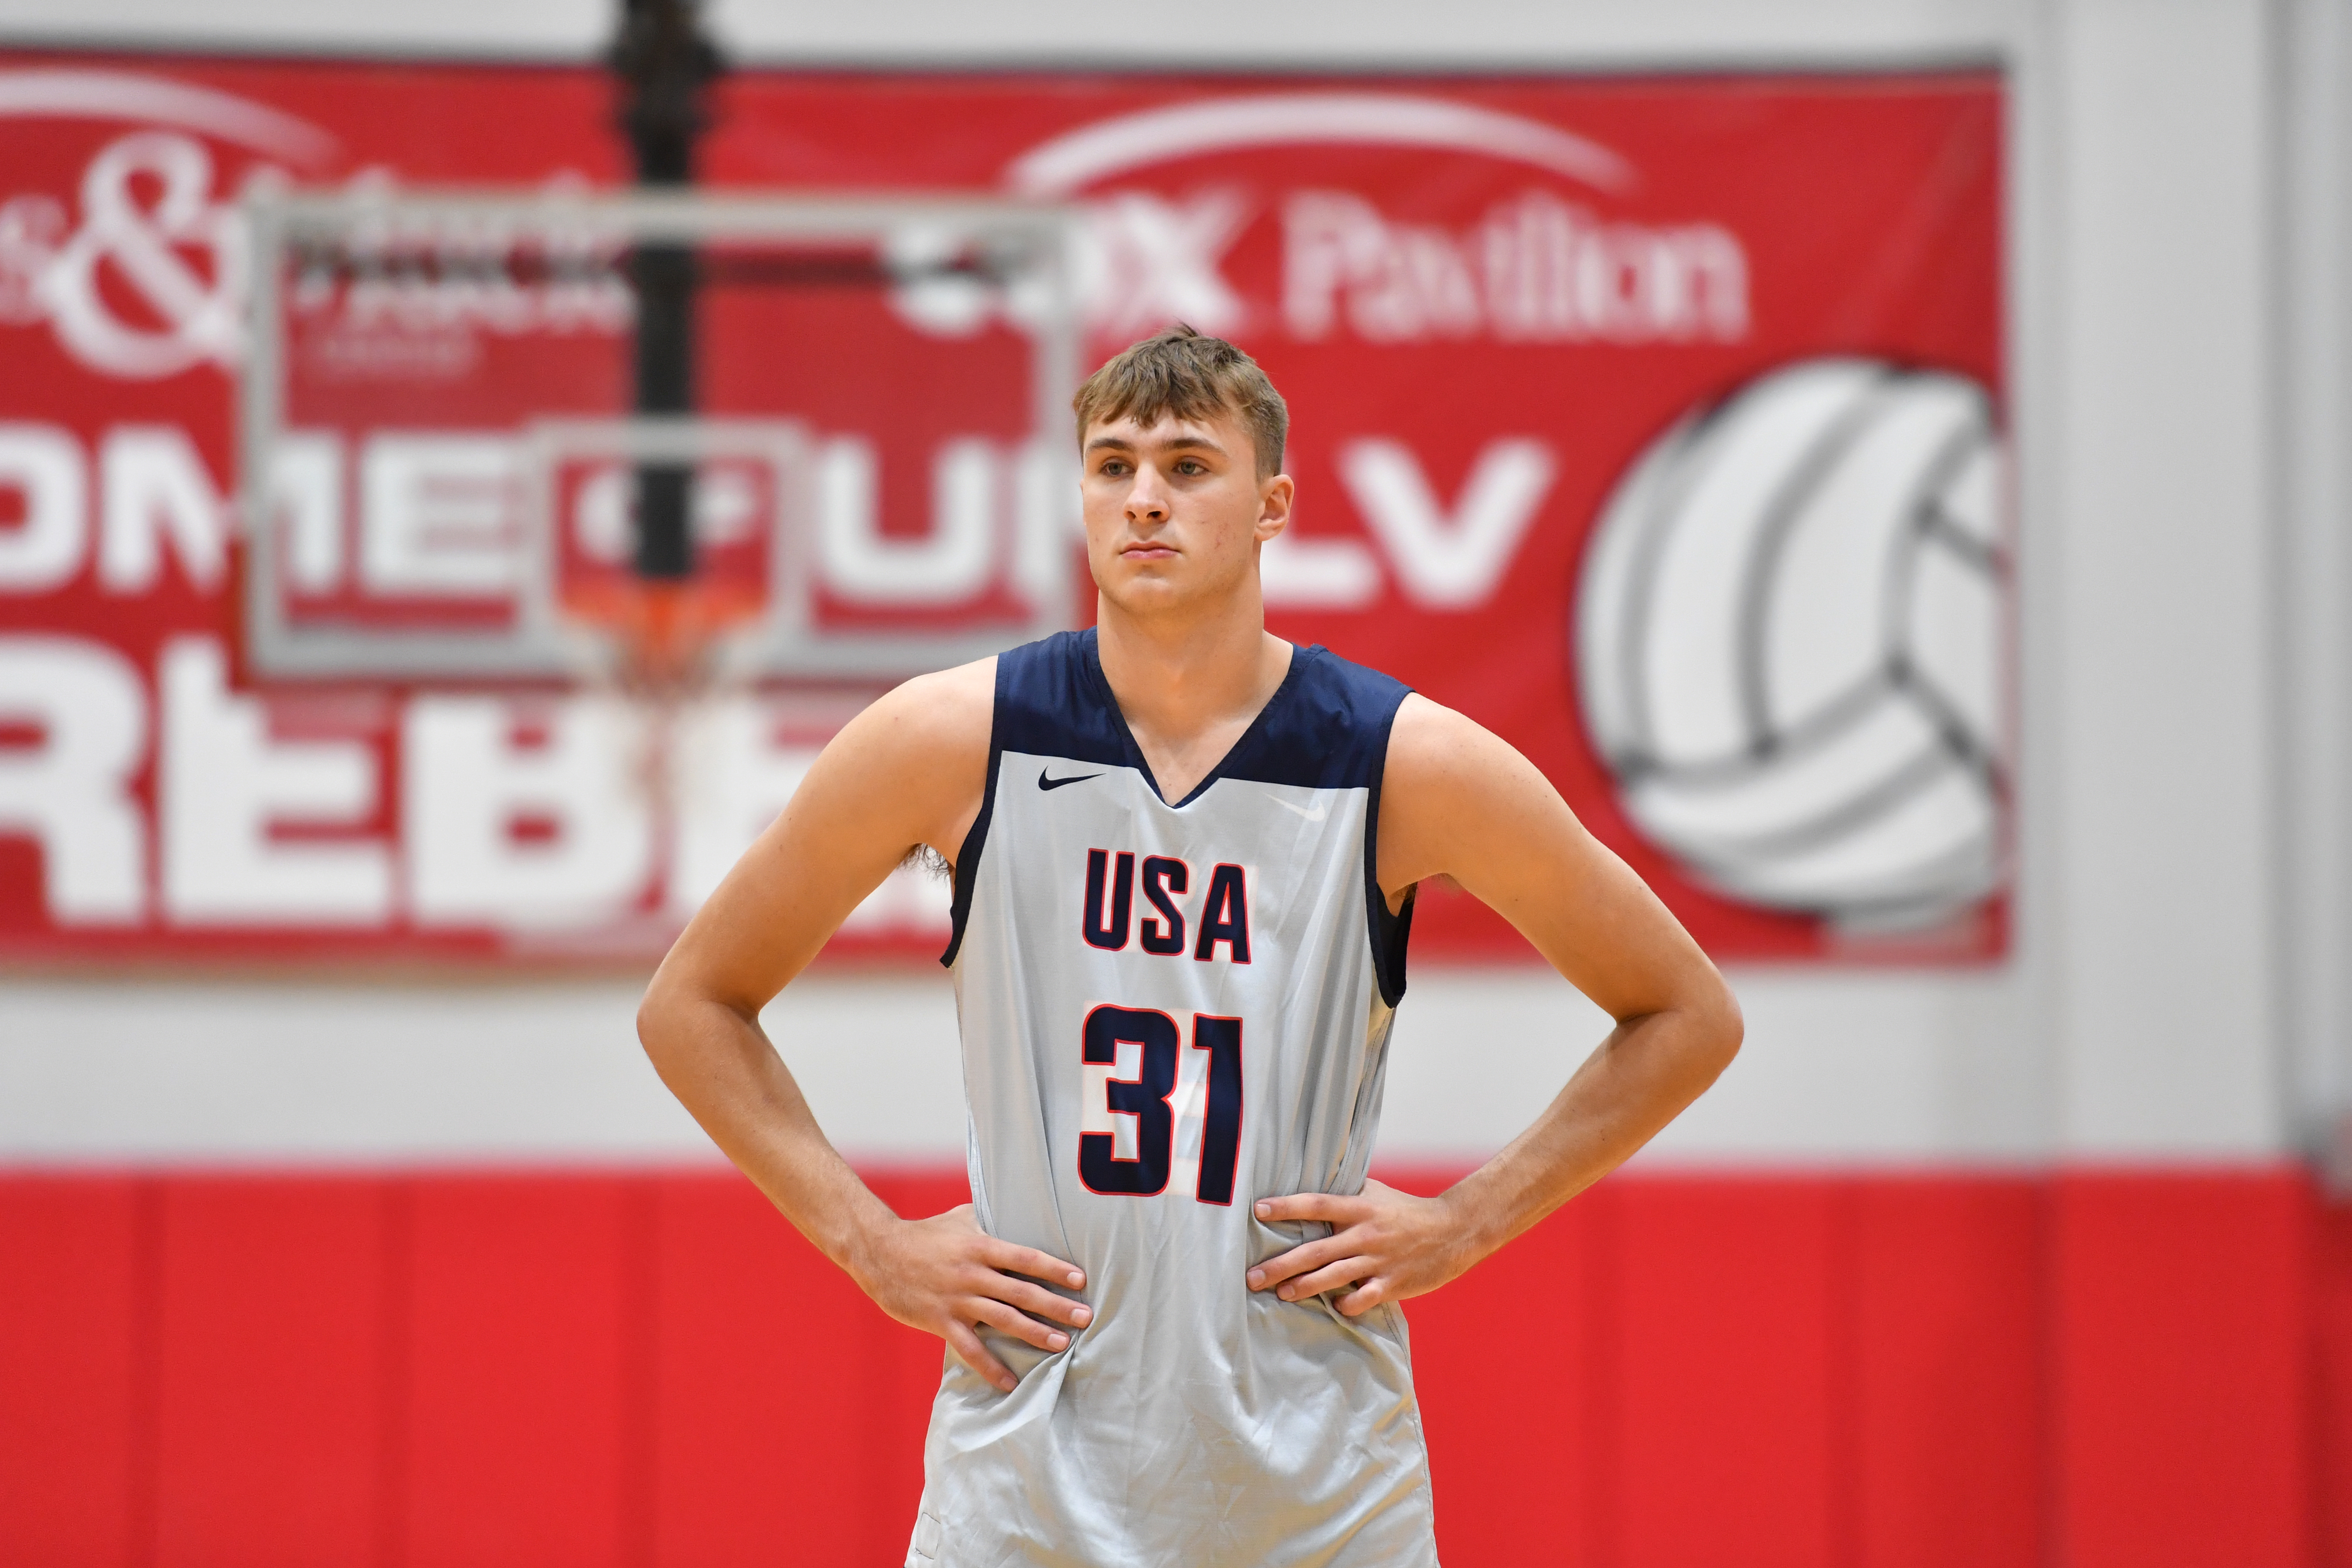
x: 1148, y: 552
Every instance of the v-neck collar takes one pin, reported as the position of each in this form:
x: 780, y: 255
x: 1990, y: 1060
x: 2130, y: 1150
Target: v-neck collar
x: 1238, y: 749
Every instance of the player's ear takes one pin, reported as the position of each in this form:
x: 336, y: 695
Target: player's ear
x: 1274, y: 499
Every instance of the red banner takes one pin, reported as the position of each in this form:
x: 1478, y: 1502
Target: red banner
x: 1655, y: 424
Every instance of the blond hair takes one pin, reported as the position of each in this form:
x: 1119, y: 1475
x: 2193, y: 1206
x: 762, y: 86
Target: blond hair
x: 1183, y: 373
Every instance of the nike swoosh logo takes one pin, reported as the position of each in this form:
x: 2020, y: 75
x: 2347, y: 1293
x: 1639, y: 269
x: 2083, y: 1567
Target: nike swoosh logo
x: 1044, y: 783
x: 1318, y: 814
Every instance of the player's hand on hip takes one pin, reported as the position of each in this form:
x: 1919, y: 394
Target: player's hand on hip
x: 1385, y: 1244
x: 944, y: 1275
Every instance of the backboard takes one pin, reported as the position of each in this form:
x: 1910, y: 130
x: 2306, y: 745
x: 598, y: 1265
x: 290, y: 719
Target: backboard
x: 442, y: 453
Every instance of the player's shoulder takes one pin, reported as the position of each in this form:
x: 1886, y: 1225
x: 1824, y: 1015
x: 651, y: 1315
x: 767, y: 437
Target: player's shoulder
x: 1453, y: 796
x: 960, y: 687
x: 937, y: 715
x: 1429, y: 743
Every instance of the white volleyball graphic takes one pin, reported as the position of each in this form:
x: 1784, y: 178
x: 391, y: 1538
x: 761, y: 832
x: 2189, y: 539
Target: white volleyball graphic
x: 1789, y: 641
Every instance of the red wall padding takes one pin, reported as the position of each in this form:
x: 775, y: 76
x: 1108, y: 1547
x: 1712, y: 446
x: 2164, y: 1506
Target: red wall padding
x: 2332, y: 1344
x: 1943, y: 1364
x: 269, y: 1388
x: 653, y: 1371
x: 2181, y: 1333
x: 78, y: 1383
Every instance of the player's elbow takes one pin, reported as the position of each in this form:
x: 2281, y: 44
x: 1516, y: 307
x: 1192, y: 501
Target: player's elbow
x: 687, y: 1024
x: 662, y: 1015
x: 1717, y: 1027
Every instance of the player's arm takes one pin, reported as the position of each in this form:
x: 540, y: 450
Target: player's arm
x: 909, y: 771
x: 1457, y: 801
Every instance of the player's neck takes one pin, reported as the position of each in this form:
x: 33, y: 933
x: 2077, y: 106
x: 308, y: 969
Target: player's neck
x: 1188, y: 688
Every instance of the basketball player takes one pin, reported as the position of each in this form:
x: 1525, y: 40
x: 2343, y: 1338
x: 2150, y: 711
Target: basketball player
x: 1184, y: 856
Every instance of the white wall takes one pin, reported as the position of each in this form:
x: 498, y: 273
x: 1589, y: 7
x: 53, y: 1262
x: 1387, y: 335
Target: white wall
x: 2160, y: 539
x: 1883, y: 1069
x: 2314, y: 566
x: 2182, y: 722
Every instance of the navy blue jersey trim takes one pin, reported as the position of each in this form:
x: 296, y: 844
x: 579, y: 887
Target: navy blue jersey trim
x: 1390, y: 932
x: 1326, y: 726
x: 967, y: 866
x: 1092, y: 656
x: 1040, y: 707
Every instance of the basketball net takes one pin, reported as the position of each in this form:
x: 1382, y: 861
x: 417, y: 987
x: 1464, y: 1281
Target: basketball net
x: 656, y: 646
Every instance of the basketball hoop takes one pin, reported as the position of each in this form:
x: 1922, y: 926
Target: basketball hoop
x: 664, y: 638
x: 662, y: 630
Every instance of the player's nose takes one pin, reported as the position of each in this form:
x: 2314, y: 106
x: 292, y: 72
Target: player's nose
x: 1146, y: 499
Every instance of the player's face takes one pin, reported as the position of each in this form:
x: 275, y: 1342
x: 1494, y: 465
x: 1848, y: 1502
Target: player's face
x: 1175, y: 511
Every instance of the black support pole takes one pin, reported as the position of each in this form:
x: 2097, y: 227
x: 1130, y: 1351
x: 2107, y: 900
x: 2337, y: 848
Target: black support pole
x: 665, y: 64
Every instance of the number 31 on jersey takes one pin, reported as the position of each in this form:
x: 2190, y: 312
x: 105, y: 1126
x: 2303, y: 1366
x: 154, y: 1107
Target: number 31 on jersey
x: 1139, y: 1057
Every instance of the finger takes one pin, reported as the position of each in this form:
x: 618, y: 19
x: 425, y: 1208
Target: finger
x: 1012, y: 1259
x: 973, y: 1354
x: 1038, y: 1300
x: 1345, y: 1272
x: 1362, y: 1298
x: 1307, y: 1255
x: 1311, y: 1205
x: 1019, y: 1324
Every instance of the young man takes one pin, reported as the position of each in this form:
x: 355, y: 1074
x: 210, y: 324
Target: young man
x: 1184, y: 854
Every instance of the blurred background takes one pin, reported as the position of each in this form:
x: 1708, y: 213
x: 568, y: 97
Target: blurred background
x: 1884, y: 462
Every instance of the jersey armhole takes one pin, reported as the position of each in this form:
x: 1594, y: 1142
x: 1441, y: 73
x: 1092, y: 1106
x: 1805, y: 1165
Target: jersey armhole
x: 975, y: 841
x: 1390, y: 932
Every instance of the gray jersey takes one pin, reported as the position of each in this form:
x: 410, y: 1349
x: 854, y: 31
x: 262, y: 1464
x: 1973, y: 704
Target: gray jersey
x: 1171, y: 1010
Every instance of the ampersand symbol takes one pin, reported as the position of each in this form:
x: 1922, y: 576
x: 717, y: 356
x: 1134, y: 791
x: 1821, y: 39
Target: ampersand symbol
x: 139, y: 245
